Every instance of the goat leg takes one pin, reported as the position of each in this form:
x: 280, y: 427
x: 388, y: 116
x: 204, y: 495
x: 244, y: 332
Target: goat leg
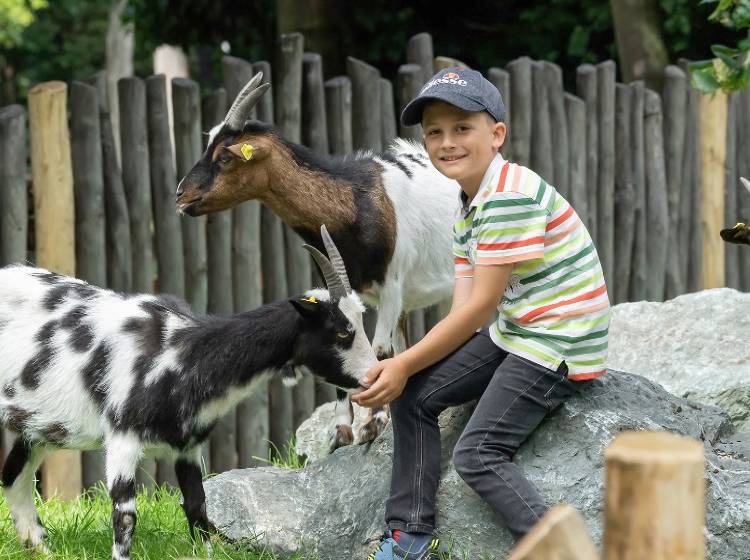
x: 342, y: 434
x: 18, y: 481
x: 123, y: 453
x: 188, y: 471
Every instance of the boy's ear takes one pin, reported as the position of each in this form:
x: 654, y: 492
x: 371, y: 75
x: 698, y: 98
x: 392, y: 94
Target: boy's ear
x: 498, y: 135
x: 306, y: 306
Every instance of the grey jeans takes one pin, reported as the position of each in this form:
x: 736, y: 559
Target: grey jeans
x: 514, y: 397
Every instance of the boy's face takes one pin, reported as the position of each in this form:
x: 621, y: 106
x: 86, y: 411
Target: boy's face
x: 461, y: 144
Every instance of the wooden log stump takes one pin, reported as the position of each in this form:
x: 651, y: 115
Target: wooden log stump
x: 388, y: 118
x: 339, y: 115
x: 365, y: 105
x: 587, y: 88
x: 713, y: 145
x: 409, y: 83
x: 605, y: 205
x: 54, y: 211
x: 520, y: 108
x: 624, y: 197
x: 734, y: 190
x: 541, y: 134
x: 560, y: 535
x: 558, y: 126
x: 419, y: 51
x: 501, y: 80
x: 575, y: 111
x: 655, y: 505
x: 638, y: 282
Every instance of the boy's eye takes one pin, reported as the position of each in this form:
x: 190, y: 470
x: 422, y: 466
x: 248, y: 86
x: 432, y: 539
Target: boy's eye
x: 432, y: 132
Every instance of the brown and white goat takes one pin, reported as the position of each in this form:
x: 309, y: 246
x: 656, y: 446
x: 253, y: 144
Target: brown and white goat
x: 740, y: 233
x: 390, y: 215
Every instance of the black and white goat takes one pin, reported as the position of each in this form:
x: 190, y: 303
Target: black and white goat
x: 390, y: 215
x: 82, y: 367
x: 740, y: 233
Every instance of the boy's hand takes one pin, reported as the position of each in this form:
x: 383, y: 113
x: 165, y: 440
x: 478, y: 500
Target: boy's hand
x: 386, y: 379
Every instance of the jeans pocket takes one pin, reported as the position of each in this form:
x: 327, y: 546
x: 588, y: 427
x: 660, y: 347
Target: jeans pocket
x: 560, y: 390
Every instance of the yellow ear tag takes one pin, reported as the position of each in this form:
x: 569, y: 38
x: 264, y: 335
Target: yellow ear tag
x: 247, y: 151
x: 311, y: 299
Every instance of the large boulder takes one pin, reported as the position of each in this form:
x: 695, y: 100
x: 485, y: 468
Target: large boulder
x: 695, y: 346
x: 335, y: 506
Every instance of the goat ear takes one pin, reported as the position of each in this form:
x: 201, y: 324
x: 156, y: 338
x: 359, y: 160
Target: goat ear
x: 308, y: 307
x: 243, y: 151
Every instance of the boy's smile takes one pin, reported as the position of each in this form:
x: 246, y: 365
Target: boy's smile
x: 461, y: 144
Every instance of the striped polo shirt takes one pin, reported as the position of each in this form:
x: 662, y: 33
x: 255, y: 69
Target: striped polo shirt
x: 556, y: 305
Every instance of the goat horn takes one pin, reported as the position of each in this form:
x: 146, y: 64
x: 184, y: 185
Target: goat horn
x: 244, y: 102
x: 746, y: 183
x: 333, y: 281
x: 335, y: 257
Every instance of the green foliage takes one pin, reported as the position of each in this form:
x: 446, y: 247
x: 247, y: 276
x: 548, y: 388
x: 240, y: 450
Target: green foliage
x: 730, y: 69
x: 15, y: 16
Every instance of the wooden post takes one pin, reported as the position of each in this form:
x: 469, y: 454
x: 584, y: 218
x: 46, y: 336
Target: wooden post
x: 288, y: 105
x: 339, y: 115
x: 657, y: 215
x: 733, y: 190
x: 691, y: 227
x: 713, y: 145
x: 675, y: 101
x: 167, y: 228
x: 388, y: 118
x: 501, y: 80
x: 743, y: 170
x: 637, y: 290
x: 54, y: 211
x: 419, y: 51
x: 409, y: 84
x: 90, y: 235
x: 541, y: 135
x: 624, y: 225
x: 560, y: 535
x: 587, y: 87
x: 575, y: 110
x: 136, y: 181
x: 239, y: 439
x: 655, y: 506
x: 13, y: 205
x: 116, y: 215
x: 365, y: 105
x: 520, y: 108
x: 605, y: 205
x: 136, y: 178
x: 558, y: 126
x: 13, y: 200
x: 188, y: 149
x: 314, y: 128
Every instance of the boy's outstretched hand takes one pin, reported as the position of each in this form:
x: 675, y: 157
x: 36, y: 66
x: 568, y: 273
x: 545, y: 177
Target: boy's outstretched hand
x: 386, y: 380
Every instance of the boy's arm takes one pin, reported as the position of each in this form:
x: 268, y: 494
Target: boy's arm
x: 461, y: 292
x: 388, y: 377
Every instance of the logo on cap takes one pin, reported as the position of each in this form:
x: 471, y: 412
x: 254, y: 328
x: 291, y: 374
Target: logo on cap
x: 450, y: 76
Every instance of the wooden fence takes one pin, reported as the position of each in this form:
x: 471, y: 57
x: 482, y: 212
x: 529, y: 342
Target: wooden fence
x: 654, y: 175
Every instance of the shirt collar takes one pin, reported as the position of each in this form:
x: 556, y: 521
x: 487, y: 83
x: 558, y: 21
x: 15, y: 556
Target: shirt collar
x: 485, y: 186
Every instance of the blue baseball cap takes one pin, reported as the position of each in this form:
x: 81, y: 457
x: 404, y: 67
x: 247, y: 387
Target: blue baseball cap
x: 462, y: 87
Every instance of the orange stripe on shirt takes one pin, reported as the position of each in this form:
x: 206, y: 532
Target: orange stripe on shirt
x: 585, y: 376
x: 510, y: 244
x: 558, y: 236
x: 560, y: 219
x: 513, y: 258
x: 568, y: 314
x: 583, y: 297
x: 503, y: 176
x: 460, y: 260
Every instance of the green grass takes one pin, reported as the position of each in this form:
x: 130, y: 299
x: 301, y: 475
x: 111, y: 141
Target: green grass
x: 82, y: 530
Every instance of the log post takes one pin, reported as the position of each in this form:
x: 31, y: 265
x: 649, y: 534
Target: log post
x: 365, y: 105
x: 14, y: 214
x: 419, y: 51
x: 605, y: 205
x: 339, y: 115
x: 388, y: 117
x: 501, y: 80
x: 637, y: 289
x: 188, y: 149
x: 674, y: 96
x: 587, y: 88
x: 54, y: 211
x: 713, y: 146
x: 558, y: 126
x: 520, y: 108
x: 734, y: 190
x: 560, y: 535
x: 655, y: 504
x: 575, y: 112
x: 541, y: 135
x: 409, y: 84
x: 624, y: 206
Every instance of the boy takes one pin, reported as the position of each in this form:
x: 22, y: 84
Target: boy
x: 518, y: 246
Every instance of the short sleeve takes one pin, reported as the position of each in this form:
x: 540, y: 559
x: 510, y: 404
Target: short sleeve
x: 462, y: 265
x: 510, y: 228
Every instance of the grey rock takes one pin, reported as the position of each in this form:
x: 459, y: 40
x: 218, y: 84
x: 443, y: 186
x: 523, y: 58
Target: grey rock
x: 334, y: 506
x: 695, y: 345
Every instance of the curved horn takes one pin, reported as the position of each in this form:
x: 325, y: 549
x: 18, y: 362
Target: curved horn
x: 335, y: 257
x: 333, y: 281
x: 244, y: 102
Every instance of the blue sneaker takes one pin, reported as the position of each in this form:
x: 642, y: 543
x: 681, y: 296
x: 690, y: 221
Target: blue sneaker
x: 390, y: 548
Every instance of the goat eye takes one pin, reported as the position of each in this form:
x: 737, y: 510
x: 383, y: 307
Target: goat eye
x: 343, y: 334
x: 224, y: 157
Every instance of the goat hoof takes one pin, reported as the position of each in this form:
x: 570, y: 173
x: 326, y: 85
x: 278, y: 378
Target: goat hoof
x: 372, y: 429
x: 342, y: 436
